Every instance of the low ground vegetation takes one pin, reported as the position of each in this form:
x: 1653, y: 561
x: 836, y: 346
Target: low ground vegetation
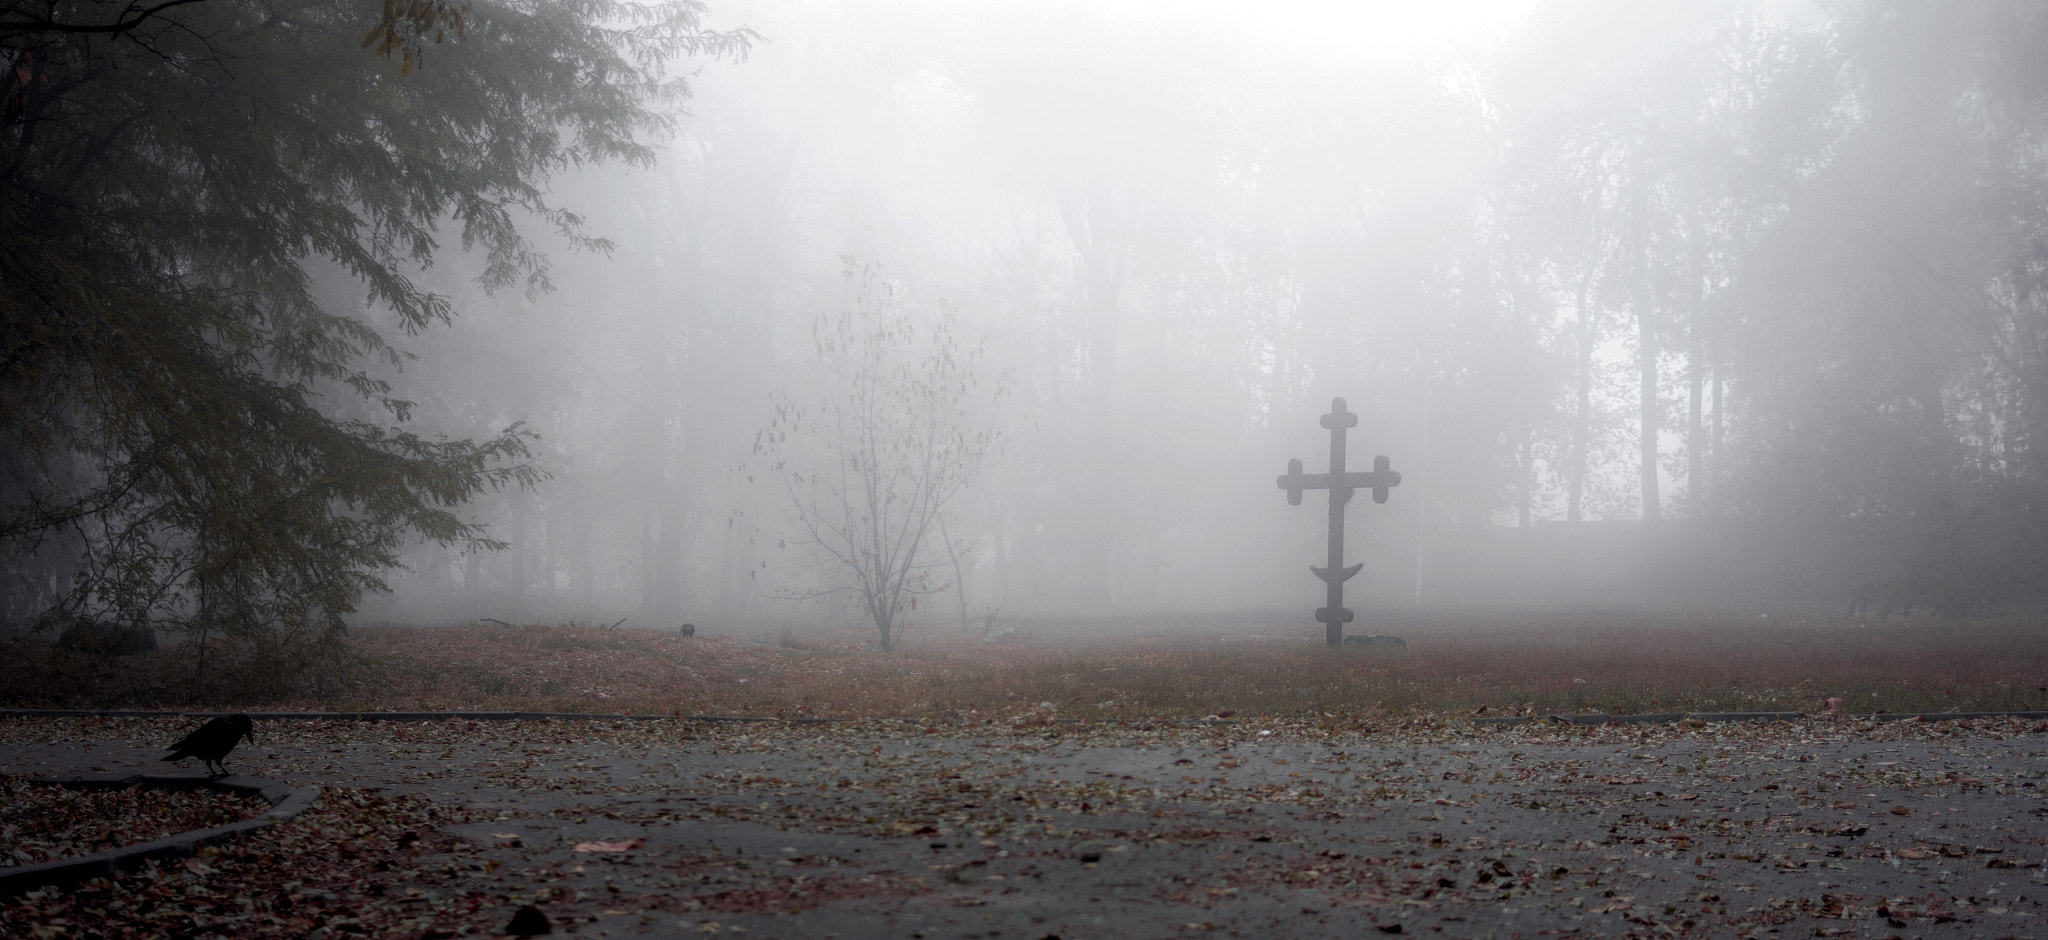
x: 1135, y: 669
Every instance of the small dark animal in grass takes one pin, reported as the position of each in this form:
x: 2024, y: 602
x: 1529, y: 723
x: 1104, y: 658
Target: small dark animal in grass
x: 213, y: 741
x: 688, y: 630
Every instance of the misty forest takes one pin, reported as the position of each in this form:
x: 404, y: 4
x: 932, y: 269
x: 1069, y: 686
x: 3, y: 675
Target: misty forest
x: 929, y: 318
x: 985, y: 469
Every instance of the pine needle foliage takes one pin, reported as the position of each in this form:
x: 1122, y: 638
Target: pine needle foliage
x: 189, y: 438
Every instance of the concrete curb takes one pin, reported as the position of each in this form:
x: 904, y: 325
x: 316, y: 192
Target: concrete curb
x: 372, y: 716
x: 285, y: 805
x: 532, y: 716
x: 1659, y: 718
x: 1720, y: 717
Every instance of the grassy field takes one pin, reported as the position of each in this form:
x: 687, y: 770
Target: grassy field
x: 1225, y: 665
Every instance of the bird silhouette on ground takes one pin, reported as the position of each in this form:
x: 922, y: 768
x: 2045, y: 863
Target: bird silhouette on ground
x: 528, y: 921
x: 213, y: 741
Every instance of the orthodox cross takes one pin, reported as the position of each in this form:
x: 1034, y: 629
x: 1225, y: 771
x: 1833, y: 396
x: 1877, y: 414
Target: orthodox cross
x: 1340, y: 484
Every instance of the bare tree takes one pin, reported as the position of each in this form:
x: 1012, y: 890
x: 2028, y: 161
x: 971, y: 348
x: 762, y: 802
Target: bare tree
x: 896, y: 427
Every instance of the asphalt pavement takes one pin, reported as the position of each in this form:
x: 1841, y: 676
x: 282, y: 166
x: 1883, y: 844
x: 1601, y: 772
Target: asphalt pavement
x: 1264, y: 829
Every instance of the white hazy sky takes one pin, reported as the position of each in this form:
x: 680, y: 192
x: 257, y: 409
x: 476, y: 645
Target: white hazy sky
x: 1380, y: 27
x: 1399, y: 28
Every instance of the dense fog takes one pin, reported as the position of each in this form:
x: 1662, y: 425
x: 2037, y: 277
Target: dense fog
x: 1726, y: 303
x: 955, y: 312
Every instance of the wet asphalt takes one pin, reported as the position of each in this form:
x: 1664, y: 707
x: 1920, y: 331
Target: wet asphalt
x: 1261, y: 830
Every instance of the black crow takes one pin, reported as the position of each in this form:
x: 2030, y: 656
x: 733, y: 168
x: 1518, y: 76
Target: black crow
x: 213, y: 741
x: 528, y: 921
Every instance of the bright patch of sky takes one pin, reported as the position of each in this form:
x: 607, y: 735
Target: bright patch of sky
x: 1382, y: 28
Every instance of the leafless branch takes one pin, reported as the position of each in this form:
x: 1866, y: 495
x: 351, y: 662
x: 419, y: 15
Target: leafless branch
x: 130, y: 17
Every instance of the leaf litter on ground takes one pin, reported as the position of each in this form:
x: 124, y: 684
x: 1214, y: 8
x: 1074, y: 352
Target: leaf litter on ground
x: 46, y: 822
x: 958, y: 774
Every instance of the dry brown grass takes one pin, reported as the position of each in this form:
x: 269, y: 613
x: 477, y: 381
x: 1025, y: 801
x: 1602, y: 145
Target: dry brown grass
x: 1617, y: 665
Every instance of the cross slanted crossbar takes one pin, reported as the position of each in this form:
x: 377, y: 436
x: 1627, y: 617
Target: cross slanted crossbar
x: 1341, y: 485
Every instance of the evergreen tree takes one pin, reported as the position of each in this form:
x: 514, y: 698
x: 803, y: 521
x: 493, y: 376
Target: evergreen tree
x: 189, y: 437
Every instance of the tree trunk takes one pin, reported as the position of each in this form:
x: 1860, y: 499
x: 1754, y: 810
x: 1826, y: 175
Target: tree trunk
x: 516, y: 559
x: 1525, y: 457
x: 1582, y: 417
x: 666, y: 575
x: 999, y: 576
x: 647, y: 600
x: 583, y: 570
x: 1646, y: 390
x: 472, y: 578
x: 731, y: 590
x: 1716, y: 451
x: 1695, y: 366
x: 1421, y: 503
x: 959, y: 581
x: 1102, y: 238
x: 883, y: 610
x: 1695, y: 441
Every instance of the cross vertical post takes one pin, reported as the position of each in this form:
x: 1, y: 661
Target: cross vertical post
x: 1341, y: 484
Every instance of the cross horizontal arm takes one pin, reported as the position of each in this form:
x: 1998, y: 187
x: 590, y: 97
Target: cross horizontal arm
x: 1361, y: 480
